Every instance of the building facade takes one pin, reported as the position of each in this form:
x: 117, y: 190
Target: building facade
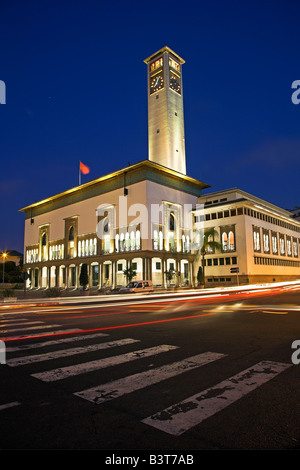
x: 258, y: 240
x: 146, y: 224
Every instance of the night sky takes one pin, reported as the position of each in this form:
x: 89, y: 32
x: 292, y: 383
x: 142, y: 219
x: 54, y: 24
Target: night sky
x: 76, y: 89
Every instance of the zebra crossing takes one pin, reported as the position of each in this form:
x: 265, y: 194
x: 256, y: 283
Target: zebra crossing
x: 177, y: 418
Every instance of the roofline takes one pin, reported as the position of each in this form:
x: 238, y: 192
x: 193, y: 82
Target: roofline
x: 135, y: 166
x: 250, y: 197
x: 164, y: 49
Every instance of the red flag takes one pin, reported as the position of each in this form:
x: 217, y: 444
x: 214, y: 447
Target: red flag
x: 84, y: 169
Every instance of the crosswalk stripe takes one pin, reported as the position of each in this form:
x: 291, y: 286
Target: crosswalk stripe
x: 9, y: 405
x: 48, y: 333
x: 182, y: 416
x: 29, y: 328
x: 117, y: 388
x: 53, y: 342
x: 20, y: 361
x: 64, y: 372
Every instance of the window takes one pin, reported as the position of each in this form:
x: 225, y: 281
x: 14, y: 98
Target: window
x: 266, y: 241
x: 224, y: 241
x: 274, y: 243
x: 172, y: 222
x: 156, y: 64
x: 289, y: 246
x: 256, y: 238
x: 281, y: 244
x: 231, y: 241
x: 155, y: 240
x: 295, y: 248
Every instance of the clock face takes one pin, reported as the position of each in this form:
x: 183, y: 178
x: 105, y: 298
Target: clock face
x: 175, y: 83
x: 156, y: 82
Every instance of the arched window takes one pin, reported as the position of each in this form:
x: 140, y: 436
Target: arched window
x: 71, y: 233
x: 44, y: 247
x: 155, y: 240
x: 211, y: 239
x: 231, y: 241
x: 138, y: 240
x: 106, y: 225
x: 161, y: 240
x: 132, y: 236
x: 224, y: 241
x: 122, y: 246
x: 172, y: 222
x: 127, y: 242
x: 117, y: 243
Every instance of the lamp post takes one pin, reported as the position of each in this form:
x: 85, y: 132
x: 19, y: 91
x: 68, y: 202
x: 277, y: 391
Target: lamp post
x: 4, y: 255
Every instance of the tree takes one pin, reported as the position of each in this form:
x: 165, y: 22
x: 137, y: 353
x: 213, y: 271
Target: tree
x: 169, y: 274
x: 84, y: 278
x: 130, y: 273
x: 207, y: 241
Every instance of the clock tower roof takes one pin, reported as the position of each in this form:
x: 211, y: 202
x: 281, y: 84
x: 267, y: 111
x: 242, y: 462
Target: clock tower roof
x: 161, y: 51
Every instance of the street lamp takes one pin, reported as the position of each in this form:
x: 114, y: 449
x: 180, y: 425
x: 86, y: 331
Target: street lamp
x: 4, y: 255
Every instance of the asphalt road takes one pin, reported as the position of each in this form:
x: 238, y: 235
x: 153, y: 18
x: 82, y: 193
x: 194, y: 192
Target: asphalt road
x: 180, y: 374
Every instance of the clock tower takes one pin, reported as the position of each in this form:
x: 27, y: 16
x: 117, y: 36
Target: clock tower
x: 165, y: 110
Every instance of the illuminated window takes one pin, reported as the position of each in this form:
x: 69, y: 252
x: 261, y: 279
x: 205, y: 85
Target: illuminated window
x: 161, y: 240
x: 256, y: 238
x: 155, y: 240
x: 224, y: 241
x: 174, y: 64
x: 295, y: 248
x: 156, y: 64
x: 138, y: 240
x: 231, y: 241
x: 266, y: 242
x: 117, y: 243
x: 281, y: 244
x: 289, y: 246
x: 274, y: 244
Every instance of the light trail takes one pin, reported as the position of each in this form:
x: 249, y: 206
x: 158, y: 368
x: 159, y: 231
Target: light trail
x: 110, y: 327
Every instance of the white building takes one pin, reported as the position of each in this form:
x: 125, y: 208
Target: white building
x: 258, y: 238
x: 146, y: 215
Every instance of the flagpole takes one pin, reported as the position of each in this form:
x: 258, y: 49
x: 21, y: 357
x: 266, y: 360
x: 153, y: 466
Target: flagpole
x: 79, y: 175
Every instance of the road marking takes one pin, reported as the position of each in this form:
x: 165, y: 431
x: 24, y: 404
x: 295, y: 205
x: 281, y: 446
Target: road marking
x: 64, y: 372
x: 19, y: 323
x: 20, y: 361
x: 9, y: 405
x: 182, y: 416
x: 30, y: 328
x: 44, y: 344
x: 49, y: 333
x: 117, y: 388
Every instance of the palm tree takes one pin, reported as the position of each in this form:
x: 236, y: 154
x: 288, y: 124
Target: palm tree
x: 207, y: 242
x: 130, y: 273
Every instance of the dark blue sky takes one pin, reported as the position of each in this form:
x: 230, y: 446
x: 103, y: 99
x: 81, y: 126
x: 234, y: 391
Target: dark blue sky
x: 76, y: 90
